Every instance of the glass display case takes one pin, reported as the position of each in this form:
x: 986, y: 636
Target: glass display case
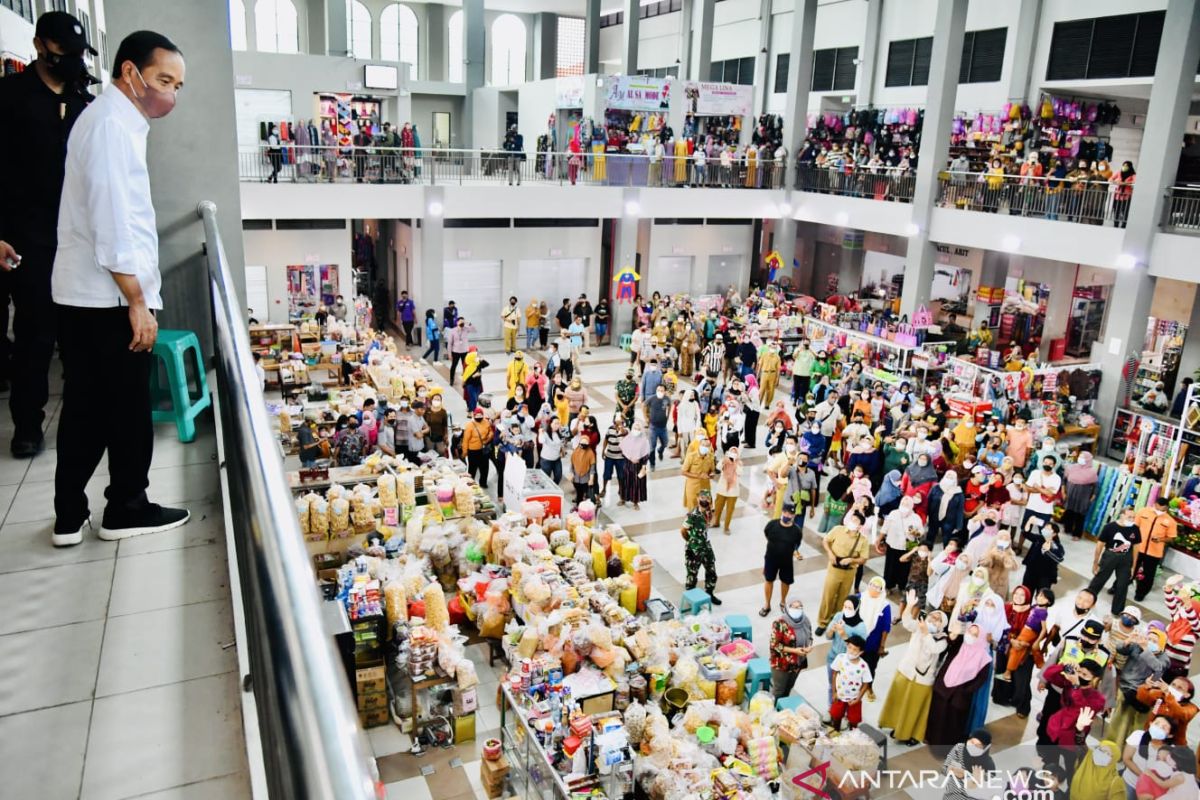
x: 529, y: 772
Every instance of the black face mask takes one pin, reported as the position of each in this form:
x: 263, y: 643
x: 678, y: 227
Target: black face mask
x: 67, y: 67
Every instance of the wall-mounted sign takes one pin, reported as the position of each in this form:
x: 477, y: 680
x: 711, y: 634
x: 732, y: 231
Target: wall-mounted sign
x: 718, y: 99
x: 568, y: 92
x: 638, y: 93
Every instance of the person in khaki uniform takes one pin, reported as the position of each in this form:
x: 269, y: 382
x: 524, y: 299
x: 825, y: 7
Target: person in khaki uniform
x: 846, y: 548
x: 687, y: 353
x: 510, y: 316
x: 533, y: 322
x: 699, y: 465
x: 769, y: 363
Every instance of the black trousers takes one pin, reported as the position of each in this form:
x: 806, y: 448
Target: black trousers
x: 478, y: 464
x: 98, y: 416
x: 27, y: 361
x: 408, y: 329
x: 455, y: 360
x: 1147, y: 568
x: 1118, y: 564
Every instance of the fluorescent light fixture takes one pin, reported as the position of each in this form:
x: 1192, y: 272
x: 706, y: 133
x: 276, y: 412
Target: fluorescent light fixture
x: 912, y: 229
x: 632, y: 208
x: 1010, y: 243
x: 785, y: 209
x: 843, y: 218
x: 1126, y: 261
x: 435, y: 209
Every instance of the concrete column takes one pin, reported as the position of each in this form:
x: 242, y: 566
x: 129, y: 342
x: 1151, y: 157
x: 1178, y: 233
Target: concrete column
x: 804, y: 23
x: 430, y: 286
x: 625, y: 251
x: 475, y: 54
x: 950, y: 23
x: 705, y: 10
x: 435, y: 43
x: 336, y: 35
x: 631, y: 30
x: 1024, y: 44
x: 202, y: 122
x: 762, y: 63
x: 1157, y: 162
x: 686, y: 12
x: 545, y: 46
x: 318, y: 44
x: 591, y: 37
x: 868, y: 52
x: 1189, y: 359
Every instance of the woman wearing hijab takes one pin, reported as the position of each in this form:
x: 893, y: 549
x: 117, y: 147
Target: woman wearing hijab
x: 1016, y: 614
x: 1096, y: 777
x: 846, y: 623
x: 876, y: 613
x: 687, y: 419
x: 1046, y: 552
x: 982, y: 533
x: 1081, y: 479
x: 537, y: 389
x: 1047, y: 448
x: 814, y: 444
x: 967, y: 766
x: 473, y: 378
x: 636, y: 449
x: 945, y: 510
x: 900, y: 527
x: 889, y: 494
x: 919, y: 478
x: 791, y: 641
x: 961, y: 675
x: 906, y: 709
x: 989, y: 615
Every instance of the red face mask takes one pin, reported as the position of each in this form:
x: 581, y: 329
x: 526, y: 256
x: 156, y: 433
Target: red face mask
x: 154, y: 102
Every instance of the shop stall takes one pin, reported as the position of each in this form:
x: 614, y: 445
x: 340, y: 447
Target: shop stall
x: 1159, y: 364
x: 891, y: 361
x: 1144, y: 442
x: 636, y: 109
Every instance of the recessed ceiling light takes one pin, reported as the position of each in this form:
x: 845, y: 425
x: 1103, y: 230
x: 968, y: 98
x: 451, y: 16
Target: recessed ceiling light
x: 912, y: 229
x: 435, y: 209
x: 632, y: 208
x: 1126, y: 261
x: 785, y: 209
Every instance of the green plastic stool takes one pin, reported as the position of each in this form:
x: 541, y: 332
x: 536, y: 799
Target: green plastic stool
x: 693, y: 600
x: 758, y: 676
x: 739, y: 627
x: 789, y: 703
x: 626, y: 341
x: 172, y: 349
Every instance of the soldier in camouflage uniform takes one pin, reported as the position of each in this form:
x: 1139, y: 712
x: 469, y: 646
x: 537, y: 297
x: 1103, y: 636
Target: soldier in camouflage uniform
x: 626, y: 395
x: 699, y: 552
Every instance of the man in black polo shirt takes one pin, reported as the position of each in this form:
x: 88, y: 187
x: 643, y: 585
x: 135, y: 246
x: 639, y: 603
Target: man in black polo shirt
x: 39, y: 105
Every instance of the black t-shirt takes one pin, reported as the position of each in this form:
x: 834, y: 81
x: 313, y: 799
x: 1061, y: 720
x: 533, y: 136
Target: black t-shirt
x: 33, y: 155
x: 564, y: 317
x: 838, y: 485
x: 1118, y: 538
x: 782, y: 540
x: 583, y: 310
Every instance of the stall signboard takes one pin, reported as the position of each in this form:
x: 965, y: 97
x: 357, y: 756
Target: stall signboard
x: 568, y: 92
x: 706, y: 99
x: 638, y: 93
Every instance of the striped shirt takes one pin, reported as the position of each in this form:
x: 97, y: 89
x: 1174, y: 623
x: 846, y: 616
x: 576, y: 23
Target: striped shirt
x: 1180, y: 652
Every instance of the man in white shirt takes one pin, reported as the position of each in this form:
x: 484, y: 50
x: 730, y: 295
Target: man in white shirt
x: 1043, y: 486
x: 106, y: 286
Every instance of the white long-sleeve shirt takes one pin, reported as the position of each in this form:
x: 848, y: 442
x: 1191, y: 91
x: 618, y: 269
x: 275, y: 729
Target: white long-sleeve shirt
x: 106, y: 218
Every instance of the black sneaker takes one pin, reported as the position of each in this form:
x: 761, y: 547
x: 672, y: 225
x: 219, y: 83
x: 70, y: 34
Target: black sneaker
x: 716, y: 600
x: 68, y: 536
x: 28, y: 448
x: 151, y: 519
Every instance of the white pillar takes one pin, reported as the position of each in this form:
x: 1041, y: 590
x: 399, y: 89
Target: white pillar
x: 631, y: 30
x: 868, y: 52
x: 950, y: 24
x: 795, y: 120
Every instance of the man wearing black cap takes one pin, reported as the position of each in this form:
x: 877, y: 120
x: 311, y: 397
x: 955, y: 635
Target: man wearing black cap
x: 783, y: 538
x: 40, y: 106
x: 1073, y: 652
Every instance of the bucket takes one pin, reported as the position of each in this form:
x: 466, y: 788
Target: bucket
x: 675, y: 701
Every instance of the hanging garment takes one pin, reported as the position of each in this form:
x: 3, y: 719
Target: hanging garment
x: 600, y: 167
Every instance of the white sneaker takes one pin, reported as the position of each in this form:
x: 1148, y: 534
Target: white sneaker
x: 70, y: 538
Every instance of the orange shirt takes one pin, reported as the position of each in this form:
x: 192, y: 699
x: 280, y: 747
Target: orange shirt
x: 1157, y: 529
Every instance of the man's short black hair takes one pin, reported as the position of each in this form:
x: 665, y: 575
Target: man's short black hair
x: 139, y: 48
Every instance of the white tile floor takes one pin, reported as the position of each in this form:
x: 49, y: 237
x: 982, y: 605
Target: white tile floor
x: 117, y: 674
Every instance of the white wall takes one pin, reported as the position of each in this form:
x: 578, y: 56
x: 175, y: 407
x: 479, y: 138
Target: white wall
x: 512, y: 245
x: 700, y: 242
x: 277, y: 249
x: 487, y: 123
x: 16, y: 35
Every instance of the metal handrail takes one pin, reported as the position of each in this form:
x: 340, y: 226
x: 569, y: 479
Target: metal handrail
x: 1091, y: 202
x: 292, y: 163
x: 878, y: 182
x: 1181, y: 210
x: 312, y: 743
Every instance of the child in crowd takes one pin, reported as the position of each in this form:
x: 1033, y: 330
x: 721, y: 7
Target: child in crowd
x: 851, y: 680
x: 1023, y: 645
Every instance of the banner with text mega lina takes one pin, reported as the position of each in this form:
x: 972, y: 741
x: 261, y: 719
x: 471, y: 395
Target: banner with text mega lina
x: 638, y: 93
x: 718, y: 99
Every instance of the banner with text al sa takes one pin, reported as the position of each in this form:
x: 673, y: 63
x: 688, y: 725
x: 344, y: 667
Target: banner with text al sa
x: 639, y: 93
x: 718, y: 99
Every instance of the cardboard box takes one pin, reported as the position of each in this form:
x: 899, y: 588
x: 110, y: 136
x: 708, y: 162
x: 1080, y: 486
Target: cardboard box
x: 466, y: 701
x: 492, y: 775
x: 374, y: 718
x: 372, y: 701
x: 464, y: 728
x: 371, y: 680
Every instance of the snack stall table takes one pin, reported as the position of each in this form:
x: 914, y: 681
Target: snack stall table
x: 889, y: 361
